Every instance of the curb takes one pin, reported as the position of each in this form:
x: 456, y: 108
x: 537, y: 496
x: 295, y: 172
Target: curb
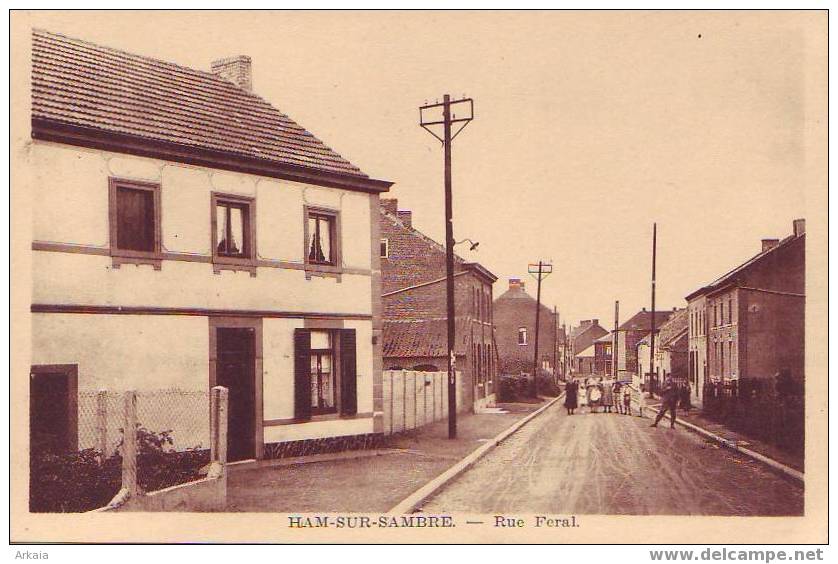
x: 410, y: 504
x: 770, y: 462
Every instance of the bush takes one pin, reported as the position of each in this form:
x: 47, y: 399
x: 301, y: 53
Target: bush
x: 518, y: 387
x: 76, y: 482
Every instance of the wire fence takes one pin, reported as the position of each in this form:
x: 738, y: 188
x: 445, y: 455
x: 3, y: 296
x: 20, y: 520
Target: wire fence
x: 81, y: 468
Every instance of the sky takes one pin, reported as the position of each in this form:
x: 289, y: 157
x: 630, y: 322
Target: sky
x: 589, y: 127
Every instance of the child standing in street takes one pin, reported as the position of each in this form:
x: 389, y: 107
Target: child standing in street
x: 626, y: 399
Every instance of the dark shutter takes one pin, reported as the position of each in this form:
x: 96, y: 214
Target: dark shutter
x: 302, y: 374
x: 135, y: 219
x: 348, y: 373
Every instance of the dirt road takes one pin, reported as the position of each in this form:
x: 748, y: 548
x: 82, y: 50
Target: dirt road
x: 615, y: 464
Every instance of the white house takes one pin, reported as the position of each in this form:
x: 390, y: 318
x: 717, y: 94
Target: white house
x: 188, y: 234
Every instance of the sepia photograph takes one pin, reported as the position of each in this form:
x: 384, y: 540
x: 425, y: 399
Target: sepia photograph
x: 419, y: 276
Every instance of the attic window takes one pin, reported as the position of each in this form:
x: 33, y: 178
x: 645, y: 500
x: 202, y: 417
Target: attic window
x: 522, y: 336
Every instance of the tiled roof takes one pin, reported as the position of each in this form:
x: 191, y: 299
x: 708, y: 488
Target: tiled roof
x: 607, y: 338
x: 588, y: 352
x: 84, y: 85
x: 673, y: 328
x: 642, y: 320
x: 424, y: 338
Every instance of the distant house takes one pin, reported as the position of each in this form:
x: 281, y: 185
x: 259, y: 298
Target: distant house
x: 415, y: 308
x: 602, y: 354
x: 514, y: 312
x: 751, y: 320
x: 582, y: 337
x: 584, y: 362
x: 629, y: 335
x: 672, y: 347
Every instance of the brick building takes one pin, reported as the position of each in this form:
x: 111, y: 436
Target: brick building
x: 415, y: 312
x: 753, y: 316
x: 581, y: 338
x: 629, y: 335
x: 602, y: 354
x: 514, y: 312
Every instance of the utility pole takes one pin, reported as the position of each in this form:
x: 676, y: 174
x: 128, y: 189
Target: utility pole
x: 539, y: 272
x: 556, y: 344
x: 447, y: 119
x: 652, y: 337
x: 616, y: 341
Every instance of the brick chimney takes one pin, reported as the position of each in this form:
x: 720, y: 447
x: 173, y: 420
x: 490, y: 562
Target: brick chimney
x: 390, y: 205
x: 799, y: 227
x: 236, y: 70
x: 406, y: 217
x: 769, y: 244
x: 515, y: 283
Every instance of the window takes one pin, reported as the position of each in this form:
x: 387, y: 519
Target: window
x: 385, y: 248
x: 135, y: 222
x: 320, y: 239
x: 325, y: 372
x: 233, y: 232
x: 322, y: 373
x: 522, y: 335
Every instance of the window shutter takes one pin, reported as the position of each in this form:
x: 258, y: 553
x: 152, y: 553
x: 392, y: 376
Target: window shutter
x: 302, y: 374
x: 348, y: 373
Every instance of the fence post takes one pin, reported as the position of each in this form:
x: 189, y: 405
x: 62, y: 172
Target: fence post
x: 129, y: 443
x: 102, y: 425
x: 218, y: 424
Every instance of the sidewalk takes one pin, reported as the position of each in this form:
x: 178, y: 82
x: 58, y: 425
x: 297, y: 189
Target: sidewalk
x: 695, y: 417
x: 373, y: 483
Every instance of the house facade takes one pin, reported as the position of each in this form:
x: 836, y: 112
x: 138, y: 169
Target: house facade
x: 415, y: 309
x: 697, y: 366
x: 514, y: 315
x: 755, y: 313
x: 602, y: 354
x: 629, y: 335
x: 187, y: 235
x: 582, y: 338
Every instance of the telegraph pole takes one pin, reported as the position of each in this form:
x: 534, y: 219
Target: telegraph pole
x: 616, y: 341
x: 447, y: 120
x: 652, y: 337
x: 540, y: 271
x: 555, y: 345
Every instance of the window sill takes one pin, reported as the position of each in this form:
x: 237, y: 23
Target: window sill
x: 325, y: 270
x: 120, y: 257
x: 315, y: 419
x: 235, y: 264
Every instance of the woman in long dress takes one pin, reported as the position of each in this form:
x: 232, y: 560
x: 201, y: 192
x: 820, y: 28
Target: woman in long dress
x: 570, y: 398
x: 581, y: 393
x: 607, y: 395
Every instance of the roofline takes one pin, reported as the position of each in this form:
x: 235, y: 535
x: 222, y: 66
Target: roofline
x: 421, y: 284
x: 59, y: 132
x: 727, y: 279
x: 482, y: 270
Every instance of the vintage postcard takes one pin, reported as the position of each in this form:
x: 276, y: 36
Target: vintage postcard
x: 419, y: 276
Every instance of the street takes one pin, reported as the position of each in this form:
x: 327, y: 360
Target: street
x: 615, y: 464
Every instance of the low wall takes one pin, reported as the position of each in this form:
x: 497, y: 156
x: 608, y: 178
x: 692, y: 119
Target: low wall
x: 208, y: 494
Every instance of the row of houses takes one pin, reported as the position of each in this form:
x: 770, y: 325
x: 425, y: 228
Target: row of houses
x: 189, y: 234
x: 746, y: 324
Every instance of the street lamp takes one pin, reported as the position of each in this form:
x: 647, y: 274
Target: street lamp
x: 472, y: 243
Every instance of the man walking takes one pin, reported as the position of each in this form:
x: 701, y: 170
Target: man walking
x: 669, y: 402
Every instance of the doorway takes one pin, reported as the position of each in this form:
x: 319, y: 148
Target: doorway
x: 236, y: 371
x: 53, y: 409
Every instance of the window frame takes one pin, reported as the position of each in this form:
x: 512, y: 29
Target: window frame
x: 523, y: 331
x: 334, y: 340
x: 386, y: 242
x: 335, y: 266
x: 130, y: 256
x: 246, y: 261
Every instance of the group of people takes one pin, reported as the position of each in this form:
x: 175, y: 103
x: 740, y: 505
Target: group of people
x: 596, y: 392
